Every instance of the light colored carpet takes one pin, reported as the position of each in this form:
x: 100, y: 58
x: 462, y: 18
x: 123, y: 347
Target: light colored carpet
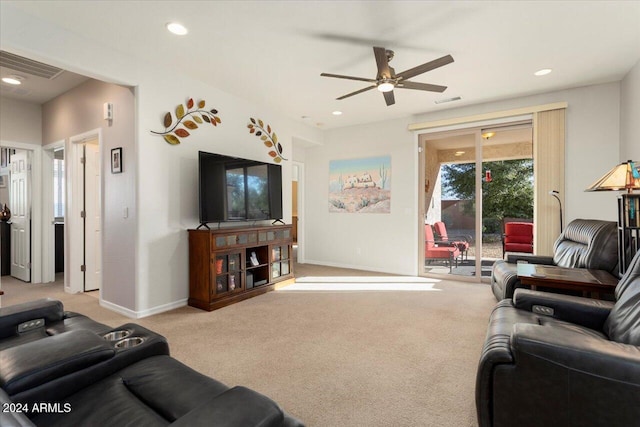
x: 331, y: 356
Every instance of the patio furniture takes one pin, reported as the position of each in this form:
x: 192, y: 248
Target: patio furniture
x: 442, y: 251
x: 517, y: 237
x: 462, y: 242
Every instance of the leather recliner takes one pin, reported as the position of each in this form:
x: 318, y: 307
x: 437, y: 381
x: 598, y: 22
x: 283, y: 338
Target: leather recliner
x: 585, y: 243
x: 560, y: 360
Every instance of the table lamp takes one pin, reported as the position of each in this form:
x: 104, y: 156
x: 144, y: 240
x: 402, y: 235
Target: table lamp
x: 625, y: 176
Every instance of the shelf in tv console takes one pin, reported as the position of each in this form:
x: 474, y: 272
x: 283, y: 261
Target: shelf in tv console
x: 221, y: 269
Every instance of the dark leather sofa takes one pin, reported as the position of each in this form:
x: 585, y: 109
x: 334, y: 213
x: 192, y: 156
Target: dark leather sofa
x: 60, y: 374
x: 560, y: 360
x: 585, y: 243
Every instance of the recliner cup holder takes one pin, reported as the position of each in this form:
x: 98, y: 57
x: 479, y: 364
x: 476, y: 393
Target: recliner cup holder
x: 129, y: 342
x: 116, y: 335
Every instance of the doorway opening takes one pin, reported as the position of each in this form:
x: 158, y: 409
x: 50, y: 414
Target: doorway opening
x: 18, y: 185
x: 475, y: 181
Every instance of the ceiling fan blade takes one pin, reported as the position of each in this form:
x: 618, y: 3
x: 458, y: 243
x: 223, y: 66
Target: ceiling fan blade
x: 436, y: 63
x: 338, y: 76
x: 389, y: 98
x: 420, y: 86
x: 383, y: 63
x: 356, y: 92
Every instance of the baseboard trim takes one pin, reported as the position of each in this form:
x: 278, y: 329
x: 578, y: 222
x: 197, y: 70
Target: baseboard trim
x: 143, y: 313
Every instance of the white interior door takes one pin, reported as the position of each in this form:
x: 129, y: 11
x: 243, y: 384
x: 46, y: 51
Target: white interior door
x: 92, y: 220
x: 20, y: 205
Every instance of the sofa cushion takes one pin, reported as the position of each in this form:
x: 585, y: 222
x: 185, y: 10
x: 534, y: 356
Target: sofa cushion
x: 623, y: 323
x: 30, y: 365
x: 155, y: 391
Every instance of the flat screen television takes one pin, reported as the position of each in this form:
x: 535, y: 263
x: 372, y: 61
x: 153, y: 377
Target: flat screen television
x: 235, y: 189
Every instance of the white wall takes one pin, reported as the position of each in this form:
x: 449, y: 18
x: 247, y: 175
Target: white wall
x: 389, y: 242
x: 378, y: 242
x: 76, y: 112
x: 630, y: 115
x: 166, y: 175
x: 20, y: 121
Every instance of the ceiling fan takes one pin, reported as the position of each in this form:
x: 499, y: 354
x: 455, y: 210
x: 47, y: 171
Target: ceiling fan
x: 386, y: 80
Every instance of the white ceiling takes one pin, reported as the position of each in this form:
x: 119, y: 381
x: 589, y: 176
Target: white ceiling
x: 272, y: 52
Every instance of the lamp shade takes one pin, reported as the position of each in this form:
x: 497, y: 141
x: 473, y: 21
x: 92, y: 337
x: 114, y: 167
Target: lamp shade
x: 625, y: 176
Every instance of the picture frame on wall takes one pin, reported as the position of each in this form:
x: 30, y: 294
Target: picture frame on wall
x: 116, y: 160
x: 4, y: 157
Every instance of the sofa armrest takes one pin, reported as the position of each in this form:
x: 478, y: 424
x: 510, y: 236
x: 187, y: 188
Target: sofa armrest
x: 32, y: 364
x: 10, y: 317
x: 238, y: 406
x: 582, y: 311
x: 496, y: 351
x: 531, y: 259
x: 13, y: 415
x: 592, y: 355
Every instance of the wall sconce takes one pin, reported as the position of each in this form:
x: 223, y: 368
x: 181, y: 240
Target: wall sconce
x: 487, y: 135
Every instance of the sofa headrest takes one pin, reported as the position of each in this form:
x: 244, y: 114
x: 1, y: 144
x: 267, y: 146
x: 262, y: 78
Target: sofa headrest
x: 588, y: 243
x: 623, y: 323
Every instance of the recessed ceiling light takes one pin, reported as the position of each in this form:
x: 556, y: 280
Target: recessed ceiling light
x: 542, y: 72
x: 177, y: 28
x: 13, y: 80
x: 337, y: 113
x: 459, y: 153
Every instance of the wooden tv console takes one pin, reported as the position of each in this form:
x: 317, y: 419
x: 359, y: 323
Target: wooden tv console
x: 228, y: 265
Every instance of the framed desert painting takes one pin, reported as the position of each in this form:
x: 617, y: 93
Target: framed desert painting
x: 360, y: 185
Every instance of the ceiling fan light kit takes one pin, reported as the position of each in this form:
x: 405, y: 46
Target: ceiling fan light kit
x: 386, y: 87
x: 387, y: 80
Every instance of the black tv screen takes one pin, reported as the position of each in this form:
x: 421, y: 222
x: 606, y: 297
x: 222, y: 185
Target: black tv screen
x: 235, y: 189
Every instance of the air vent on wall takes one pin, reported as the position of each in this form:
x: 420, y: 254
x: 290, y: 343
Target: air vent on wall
x: 28, y: 66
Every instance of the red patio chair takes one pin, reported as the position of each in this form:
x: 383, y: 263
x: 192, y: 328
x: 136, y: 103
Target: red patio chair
x: 518, y: 237
x: 433, y: 251
x: 460, y: 241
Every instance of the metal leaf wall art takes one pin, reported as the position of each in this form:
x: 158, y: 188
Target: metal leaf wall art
x: 269, y: 138
x: 190, y: 117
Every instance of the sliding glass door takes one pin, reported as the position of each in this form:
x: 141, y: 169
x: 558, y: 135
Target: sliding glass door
x: 475, y: 180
